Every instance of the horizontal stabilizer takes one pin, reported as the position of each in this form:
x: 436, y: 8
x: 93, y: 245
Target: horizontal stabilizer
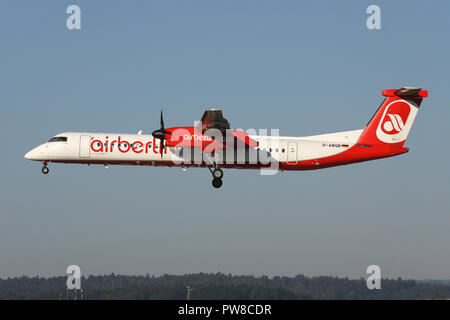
x: 406, y: 92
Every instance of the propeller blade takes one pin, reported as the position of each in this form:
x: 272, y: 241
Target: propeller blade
x: 160, y: 134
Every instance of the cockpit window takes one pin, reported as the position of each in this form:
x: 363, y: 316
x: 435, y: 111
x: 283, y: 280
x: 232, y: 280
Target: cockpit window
x: 55, y: 139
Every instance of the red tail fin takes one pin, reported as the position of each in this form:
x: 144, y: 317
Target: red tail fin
x: 394, y: 118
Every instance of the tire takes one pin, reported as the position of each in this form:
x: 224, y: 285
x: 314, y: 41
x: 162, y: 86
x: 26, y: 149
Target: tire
x: 217, y: 174
x: 217, y: 183
x: 45, y: 170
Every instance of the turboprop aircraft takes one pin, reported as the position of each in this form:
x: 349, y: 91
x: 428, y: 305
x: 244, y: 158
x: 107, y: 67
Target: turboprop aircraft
x: 214, y: 145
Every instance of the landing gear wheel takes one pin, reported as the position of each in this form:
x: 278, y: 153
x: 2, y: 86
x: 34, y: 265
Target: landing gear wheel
x: 217, y: 183
x: 217, y: 174
x: 45, y: 170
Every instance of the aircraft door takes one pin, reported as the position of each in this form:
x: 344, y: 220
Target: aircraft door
x: 85, y: 148
x: 292, y: 153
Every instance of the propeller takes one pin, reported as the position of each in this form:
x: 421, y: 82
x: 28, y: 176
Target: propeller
x: 161, y: 134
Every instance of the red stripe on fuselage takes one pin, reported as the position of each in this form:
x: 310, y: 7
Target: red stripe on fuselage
x: 354, y: 154
x: 357, y: 153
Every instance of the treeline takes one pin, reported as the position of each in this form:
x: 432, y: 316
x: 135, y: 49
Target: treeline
x: 218, y: 286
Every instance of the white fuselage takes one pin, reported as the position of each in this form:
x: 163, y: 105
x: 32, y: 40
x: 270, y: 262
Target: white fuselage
x: 142, y: 149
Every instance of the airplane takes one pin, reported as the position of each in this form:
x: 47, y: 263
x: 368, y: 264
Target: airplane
x: 214, y: 145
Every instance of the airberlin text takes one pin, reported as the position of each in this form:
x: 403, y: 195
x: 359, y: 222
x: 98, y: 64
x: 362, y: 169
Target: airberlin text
x: 125, y: 146
x: 195, y: 137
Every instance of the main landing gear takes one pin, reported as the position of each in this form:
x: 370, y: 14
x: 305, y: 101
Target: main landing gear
x: 45, y: 169
x: 217, y: 174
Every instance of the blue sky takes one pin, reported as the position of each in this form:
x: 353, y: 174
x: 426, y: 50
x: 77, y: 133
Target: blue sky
x: 303, y: 67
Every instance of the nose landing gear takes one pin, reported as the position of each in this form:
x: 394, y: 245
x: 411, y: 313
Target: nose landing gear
x: 45, y: 169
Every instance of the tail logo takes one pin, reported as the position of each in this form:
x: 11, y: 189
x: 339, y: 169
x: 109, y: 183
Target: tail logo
x: 394, y: 124
x: 396, y: 121
x: 395, y: 117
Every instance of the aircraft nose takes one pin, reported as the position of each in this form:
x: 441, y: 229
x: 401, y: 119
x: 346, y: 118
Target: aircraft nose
x: 33, y: 154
